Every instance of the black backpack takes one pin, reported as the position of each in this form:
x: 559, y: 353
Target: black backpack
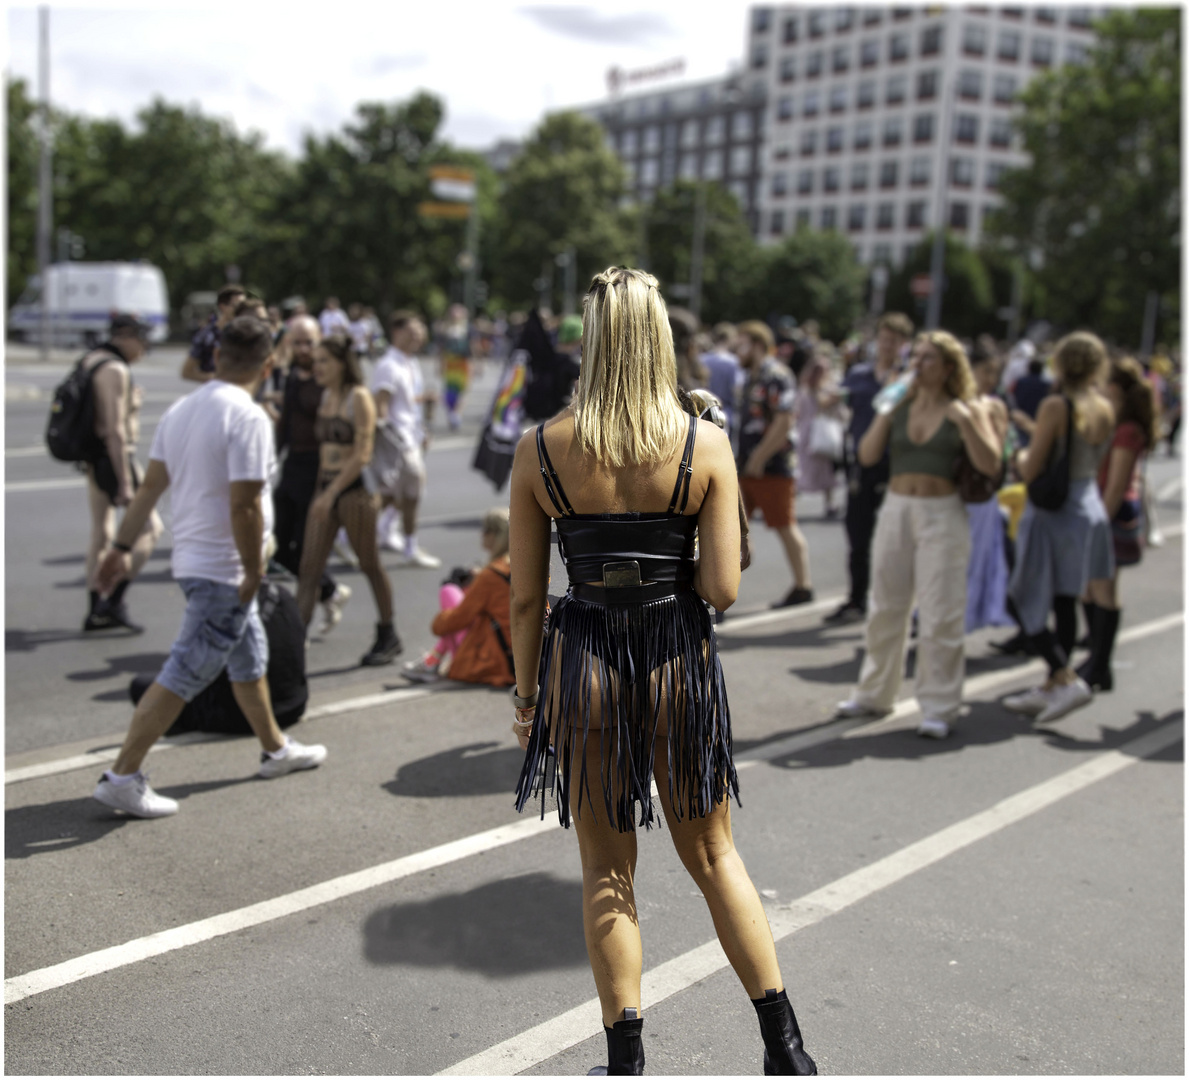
x: 70, y: 432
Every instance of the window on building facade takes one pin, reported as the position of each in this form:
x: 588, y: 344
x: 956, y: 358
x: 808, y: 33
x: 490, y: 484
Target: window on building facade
x: 962, y: 171
x: 652, y: 139
x: 776, y: 223
x: 895, y: 89
x: 986, y: 213
x: 740, y: 160
x: 858, y: 176
x: 999, y: 133
x: 917, y: 214
x: 1042, y: 51
x: 1005, y: 89
x: 922, y: 128
x: 759, y: 56
x: 885, y: 216
x: 931, y: 40
x: 856, y: 217
x: 780, y: 184
x: 862, y: 135
x: 974, y: 39
x: 926, y: 85
x: 966, y: 128
x: 869, y: 53
x: 872, y: 16
x: 790, y: 31
x: 840, y: 59
x: 1079, y: 18
x: 689, y: 166
x: 761, y: 20
x: 813, y: 64
x: 689, y: 133
x: 743, y: 125
x: 788, y: 69
x: 959, y: 215
x: 992, y: 176
x: 716, y: 129
x: 649, y: 171
x: 712, y: 165
x: 838, y: 99
x: 741, y: 190
x: 898, y: 47
x: 831, y: 178
x: 1008, y: 47
x: 834, y: 140
x: 866, y: 95
x: 844, y: 19
x: 784, y: 107
x: 1075, y: 52
x: 970, y: 85
x: 893, y: 131
x: 781, y: 153
x: 882, y: 254
x: 919, y: 171
x: 808, y: 143
x: 627, y: 142
x: 889, y: 174
x: 802, y: 219
x: 1046, y: 15
x: 811, y: 103
x: 828, y: 217
x: 817, y: 24
x: 805, y: 182
x: 899, y: 14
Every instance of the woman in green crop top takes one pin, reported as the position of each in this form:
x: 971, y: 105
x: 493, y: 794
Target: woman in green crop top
x: 922, y: 539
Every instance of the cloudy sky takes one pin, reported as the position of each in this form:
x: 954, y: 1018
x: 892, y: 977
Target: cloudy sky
x: 285, y: 69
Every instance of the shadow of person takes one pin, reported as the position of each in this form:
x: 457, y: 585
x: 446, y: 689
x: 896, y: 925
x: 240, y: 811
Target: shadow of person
x: 813, y: 637
x: 482, y: 768
x: 502, y: 929
x: 29, y: 640
x: 131, y: 664
x: 1116, y: 738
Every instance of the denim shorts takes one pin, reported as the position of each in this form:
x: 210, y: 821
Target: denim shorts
x: 217, y: 632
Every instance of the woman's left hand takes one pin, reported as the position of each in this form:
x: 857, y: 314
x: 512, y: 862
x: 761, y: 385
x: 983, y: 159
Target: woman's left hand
x: 957, y: 411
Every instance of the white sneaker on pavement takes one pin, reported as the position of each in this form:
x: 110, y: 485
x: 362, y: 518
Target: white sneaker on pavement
x: 392, y: 541
x: 299, y: 757
x: 852, y: 709
x: 1064, y: 699
x: 134, y: 797
x: 1030, y: 702
x: 332, y: 607
x: 421, y: 558
x: 933, y: 728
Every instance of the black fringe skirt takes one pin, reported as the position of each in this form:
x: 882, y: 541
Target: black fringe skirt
x: 614, y: 674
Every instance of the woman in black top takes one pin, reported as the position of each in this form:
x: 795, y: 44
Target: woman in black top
x: 629, y: 681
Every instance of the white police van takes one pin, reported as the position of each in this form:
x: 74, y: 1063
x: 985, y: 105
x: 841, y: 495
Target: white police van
x: 83, y: 297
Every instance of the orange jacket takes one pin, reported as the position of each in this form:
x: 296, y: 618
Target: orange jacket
x: 480, y: 658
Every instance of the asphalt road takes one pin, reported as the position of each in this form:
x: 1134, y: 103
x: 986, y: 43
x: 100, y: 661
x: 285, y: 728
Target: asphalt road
x: 1008, y: 901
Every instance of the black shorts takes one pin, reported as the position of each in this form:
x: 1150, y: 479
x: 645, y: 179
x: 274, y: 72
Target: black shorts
x: 106, y: 480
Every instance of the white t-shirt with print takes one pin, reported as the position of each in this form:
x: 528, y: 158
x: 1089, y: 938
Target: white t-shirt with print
x: 206, y: 441
x: 400, y: 376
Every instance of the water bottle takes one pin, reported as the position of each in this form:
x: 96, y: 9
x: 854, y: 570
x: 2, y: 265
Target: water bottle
x: 892, y: 394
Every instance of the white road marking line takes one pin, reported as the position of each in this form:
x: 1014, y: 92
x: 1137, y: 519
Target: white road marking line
x: 746, y: 622
x: 83, y: 967
x: 544, y: 1041
x: 26, y: 451
x: 44, y: 485
x: 1168, y: 490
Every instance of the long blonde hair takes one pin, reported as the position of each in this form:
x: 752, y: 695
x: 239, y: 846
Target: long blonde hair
x: 960, y: 382
x: 626, y: 409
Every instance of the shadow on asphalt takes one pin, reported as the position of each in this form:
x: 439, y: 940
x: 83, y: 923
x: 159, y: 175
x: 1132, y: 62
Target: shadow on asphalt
x: 133, y: 664
x: 481, y: 768
x: 155, y: 577
x: 492, y: 929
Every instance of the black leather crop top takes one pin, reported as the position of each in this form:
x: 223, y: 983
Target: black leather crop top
x: 662, y: 543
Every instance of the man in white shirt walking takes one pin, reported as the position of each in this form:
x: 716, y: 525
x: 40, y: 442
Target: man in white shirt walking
x: 214, y: 449
x: 398, y: 463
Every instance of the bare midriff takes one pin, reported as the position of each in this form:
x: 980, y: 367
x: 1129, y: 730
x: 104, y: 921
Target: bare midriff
x: 921, y: 485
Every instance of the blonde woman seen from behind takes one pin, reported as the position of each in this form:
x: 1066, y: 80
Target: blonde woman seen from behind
x: 630, y: 480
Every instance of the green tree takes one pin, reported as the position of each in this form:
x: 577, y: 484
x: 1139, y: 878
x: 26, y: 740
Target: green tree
x: 562, y: 191
x: 967, y: 302
x: 729, y: 251
x: 1099, y: 206
x: 22, y: 188
x: 809, y: 275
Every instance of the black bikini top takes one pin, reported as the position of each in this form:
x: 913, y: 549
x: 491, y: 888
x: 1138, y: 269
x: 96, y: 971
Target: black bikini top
x: 336, y: 429
x: 663, y: 544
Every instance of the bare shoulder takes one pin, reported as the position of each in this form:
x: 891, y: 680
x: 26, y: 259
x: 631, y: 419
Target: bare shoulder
x: 712, y: 442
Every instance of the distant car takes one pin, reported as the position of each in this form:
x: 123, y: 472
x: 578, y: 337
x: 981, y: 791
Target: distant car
x: 83, y: 297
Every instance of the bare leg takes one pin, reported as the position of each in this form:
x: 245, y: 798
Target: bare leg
x: 315, y: 550
x: 154, y: 715
x: 796, y: 550
x: 256, y: 702
x: 357, y: 511
x: 103, y: 527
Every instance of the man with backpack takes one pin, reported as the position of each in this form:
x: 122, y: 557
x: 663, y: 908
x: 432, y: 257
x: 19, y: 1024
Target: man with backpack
x: 106, y: 433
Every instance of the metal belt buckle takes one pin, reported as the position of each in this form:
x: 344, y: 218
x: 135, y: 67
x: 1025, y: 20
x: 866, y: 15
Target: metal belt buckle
x: 621, y: 575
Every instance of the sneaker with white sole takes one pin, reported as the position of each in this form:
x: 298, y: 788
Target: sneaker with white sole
x: 1030, y: 702
x: 1064, y: 699
x: 332, y: 607
x: 851, y: 710
x: 420, y: 671
x: 134, y: 797
x: 422, y: 559
x: 931, y: 727
x: 393, y: 541
x: 299, y: 757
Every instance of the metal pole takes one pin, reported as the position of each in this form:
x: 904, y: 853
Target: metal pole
x: 45, y: 194
x: 945, y: 138
x: 472, y: 270
x: 697, y: 252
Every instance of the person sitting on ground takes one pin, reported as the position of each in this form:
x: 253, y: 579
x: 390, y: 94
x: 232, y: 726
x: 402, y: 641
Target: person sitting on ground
x: 474, y: 625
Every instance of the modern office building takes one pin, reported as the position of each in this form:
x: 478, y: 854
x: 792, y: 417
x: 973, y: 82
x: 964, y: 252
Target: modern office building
x: 884, y: 120
x: 710, y: 130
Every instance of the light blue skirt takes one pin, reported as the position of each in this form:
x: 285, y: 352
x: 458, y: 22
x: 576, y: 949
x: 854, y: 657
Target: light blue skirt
x: 986, y: 573
x: 1059, y: 551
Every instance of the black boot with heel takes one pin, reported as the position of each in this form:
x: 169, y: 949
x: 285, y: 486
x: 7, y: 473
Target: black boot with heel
x: 784, y: 1053
x: 625, y: 1047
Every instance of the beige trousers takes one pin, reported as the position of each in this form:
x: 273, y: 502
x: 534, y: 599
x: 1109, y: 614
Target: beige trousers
x: 921, y: 549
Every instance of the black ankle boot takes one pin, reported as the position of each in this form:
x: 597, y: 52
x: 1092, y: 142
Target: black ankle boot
x: 784, y: 1053
x: 625, y: 1047
x: 386, y: 649
x: 1097, y: 669
x: 1088, y: 609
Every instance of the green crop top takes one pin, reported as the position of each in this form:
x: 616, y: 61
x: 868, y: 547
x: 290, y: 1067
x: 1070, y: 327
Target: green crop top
x: 933, y: 458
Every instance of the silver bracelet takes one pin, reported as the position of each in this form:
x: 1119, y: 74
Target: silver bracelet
x: 525, y: 702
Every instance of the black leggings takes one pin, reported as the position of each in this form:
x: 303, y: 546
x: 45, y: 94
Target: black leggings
x: 1056, y: 648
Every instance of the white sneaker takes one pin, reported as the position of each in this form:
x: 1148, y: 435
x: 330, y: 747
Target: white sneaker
x: 332, y: 607
x: 852, y: 709
x: 1030, y: 702
x: 299, y: 757
x: 422, y: 559
x: 933, y: 728
x: 392, y: 541
x: 135, y: 797
x: 1064, y: 699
